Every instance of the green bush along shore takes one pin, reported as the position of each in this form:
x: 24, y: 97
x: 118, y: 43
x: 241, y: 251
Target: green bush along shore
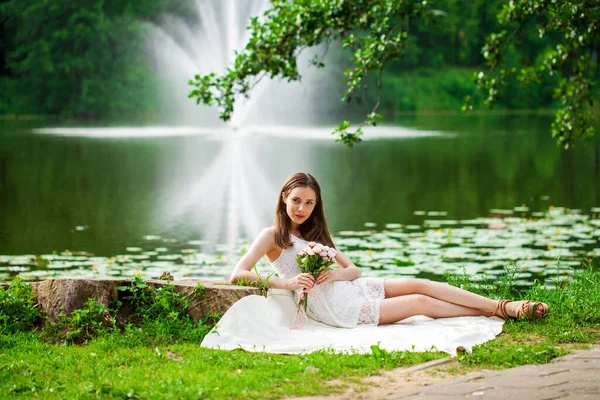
x: 155, y: 351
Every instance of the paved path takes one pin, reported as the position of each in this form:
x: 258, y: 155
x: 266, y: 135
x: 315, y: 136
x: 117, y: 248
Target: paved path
x: 575, y: 376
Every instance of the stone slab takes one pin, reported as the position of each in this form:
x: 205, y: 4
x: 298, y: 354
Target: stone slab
x: 575, y: 376
x: 429, y: 364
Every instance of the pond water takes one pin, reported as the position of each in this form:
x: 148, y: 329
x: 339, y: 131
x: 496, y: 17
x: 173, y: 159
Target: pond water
x: 439, y: 194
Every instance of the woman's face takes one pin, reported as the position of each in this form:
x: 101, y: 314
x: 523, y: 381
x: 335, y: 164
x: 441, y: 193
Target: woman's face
x: 299, y: 204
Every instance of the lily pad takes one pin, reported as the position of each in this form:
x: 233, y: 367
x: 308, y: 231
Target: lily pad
x: 393, y: 226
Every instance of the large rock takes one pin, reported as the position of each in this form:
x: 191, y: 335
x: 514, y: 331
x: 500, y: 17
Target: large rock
x: 218, y: 295
x: 65, y: 295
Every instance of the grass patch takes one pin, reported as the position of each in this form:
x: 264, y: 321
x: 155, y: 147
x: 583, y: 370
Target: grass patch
x: 148, y: 357
x: 572, y: 321
x: 123, y: 366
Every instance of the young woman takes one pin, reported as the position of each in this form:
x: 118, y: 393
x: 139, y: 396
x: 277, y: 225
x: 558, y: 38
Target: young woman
x: 341, y: 297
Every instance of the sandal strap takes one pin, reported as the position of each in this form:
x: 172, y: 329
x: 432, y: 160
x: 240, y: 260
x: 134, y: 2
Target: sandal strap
x: 533, y: 308
x: 501, y: 307
x: 522, y: 311
x: 531, y: 313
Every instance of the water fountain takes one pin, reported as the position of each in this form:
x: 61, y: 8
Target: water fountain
x: 221, y: 196
x: 234, y: 196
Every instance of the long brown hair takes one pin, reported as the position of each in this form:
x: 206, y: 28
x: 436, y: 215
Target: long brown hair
x: 315, y: 227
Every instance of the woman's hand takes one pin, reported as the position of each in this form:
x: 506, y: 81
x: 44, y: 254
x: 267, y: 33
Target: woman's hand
x: 301, y: 281
x: 324, y: 276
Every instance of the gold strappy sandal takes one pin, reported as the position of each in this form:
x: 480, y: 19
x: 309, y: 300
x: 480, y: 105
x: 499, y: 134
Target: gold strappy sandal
x: 530, y: 314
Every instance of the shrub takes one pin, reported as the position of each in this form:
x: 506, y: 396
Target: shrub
x: 82, y: 325
x: 162, y: 312
x: 18, y: 307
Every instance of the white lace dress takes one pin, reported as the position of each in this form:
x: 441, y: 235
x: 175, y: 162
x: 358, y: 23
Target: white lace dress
x: 344, y: 304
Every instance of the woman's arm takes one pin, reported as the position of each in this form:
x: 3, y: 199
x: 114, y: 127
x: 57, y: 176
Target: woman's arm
x: 263, y: 244
x: 347, y: 272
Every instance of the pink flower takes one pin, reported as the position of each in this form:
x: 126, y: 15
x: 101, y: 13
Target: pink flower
x: 323, y: 253
x: 310, y: 252
x: 331, y: 253
x: 312, y: 244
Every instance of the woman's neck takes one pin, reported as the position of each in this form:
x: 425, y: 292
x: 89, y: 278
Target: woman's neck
x: 294, y: 228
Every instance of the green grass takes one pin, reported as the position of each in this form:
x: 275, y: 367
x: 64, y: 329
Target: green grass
x: 122, y: 366
x: 141, y: 361
x: 572, y: 322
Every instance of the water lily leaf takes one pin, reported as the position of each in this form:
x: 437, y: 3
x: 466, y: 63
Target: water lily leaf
x: 437, y: 213
x: 501, y: 211
x: 152, y: 237
x: 393, y: 225
x: 403, y: 263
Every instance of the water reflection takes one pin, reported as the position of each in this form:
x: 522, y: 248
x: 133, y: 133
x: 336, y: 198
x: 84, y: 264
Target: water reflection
x: 122, y: 190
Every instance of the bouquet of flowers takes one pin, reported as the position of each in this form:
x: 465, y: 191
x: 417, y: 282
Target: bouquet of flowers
x: 314, y: 259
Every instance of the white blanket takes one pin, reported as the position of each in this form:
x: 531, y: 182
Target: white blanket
x: 256, y: 323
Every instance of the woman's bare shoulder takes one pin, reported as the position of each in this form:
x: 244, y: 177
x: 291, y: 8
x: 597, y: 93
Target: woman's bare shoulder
x: 265, y: 243
x: 266, y: 236
x: 269, y: 231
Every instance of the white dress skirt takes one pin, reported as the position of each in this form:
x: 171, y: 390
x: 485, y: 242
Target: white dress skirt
x: 344, y: 304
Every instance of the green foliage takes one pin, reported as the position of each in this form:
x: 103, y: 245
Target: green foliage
x: 91, y: 60
x: 403, y: 263
x: 162, y: 312
x: 502, y: 287
x: 374, y: 32
x: 81, y: 325
x: 426, y: 90
x: 377, y: 33
x: 262, y: 284
x: 575, y: 26
x: 161, y: 302
x: 577, y: 300
x: 18, y: 307
x: 77, y: 59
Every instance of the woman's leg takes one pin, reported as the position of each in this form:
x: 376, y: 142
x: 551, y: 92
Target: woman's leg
x: 396, y: 309
x: 395, y: 287
x: 441, y: 291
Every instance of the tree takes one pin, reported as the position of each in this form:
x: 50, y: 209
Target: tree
x: 576, y: 25
x: 79, y: 58
x: 376, y: 32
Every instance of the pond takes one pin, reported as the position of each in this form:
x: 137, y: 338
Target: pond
x: 429, y: 195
